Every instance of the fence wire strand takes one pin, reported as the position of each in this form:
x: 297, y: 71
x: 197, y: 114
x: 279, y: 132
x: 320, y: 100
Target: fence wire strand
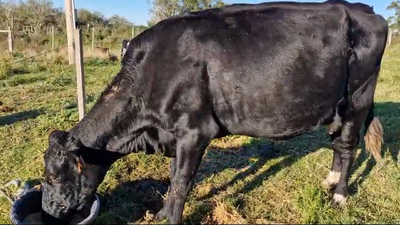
x: 36, y: 56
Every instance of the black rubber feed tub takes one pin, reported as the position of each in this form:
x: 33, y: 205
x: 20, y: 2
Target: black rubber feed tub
x: 27, y: 209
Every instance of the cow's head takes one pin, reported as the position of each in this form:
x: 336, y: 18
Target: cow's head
x: 71, y: 177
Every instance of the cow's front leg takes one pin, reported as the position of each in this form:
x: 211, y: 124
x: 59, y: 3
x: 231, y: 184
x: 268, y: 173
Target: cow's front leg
x: 190, y: 150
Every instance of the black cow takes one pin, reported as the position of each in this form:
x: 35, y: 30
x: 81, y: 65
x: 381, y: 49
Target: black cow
x: 272, y: 70
x: 124, y: 47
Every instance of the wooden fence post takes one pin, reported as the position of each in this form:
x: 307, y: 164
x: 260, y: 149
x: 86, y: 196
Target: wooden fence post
x: 389, y: 41
x: 10, y: 41
x: 80, y: 75
x: 52, y: 40
x: 70, y: 22
x: 92, y: 38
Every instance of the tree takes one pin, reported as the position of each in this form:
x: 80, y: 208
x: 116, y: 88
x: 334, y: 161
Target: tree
x: 196, y: 5
x: 162, y: 9
x: 396, y: 6
x: 38, y: 13
x: 394, y: 21
x: 7, y: 12
x: 119, y: 22
x: 88, y: 18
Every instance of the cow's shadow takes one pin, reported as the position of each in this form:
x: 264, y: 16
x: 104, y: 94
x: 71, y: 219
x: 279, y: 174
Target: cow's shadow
x: 130, y: 201
x: 20, y: 116
x: 147, y: 195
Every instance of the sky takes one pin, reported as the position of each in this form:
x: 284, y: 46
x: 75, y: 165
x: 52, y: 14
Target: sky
x: 137, y: 11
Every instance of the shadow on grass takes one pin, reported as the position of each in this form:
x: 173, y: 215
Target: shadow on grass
x: 16, y: 117
x: 257, y: 148
x: 265, y: 151
x: 130, y: 201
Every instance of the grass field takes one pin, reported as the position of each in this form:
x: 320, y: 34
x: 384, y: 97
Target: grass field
x: 241, y: 180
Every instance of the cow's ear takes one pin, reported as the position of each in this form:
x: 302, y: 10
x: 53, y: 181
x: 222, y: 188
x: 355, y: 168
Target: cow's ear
x: 76, y: 155
x: 63, y: 142
x: 56, y: 136
x: 57, y: 140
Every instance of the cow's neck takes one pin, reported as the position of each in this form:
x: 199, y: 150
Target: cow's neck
x: 111, y: 123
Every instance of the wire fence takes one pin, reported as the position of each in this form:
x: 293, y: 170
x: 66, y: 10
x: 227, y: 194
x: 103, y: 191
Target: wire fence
x: 32, y: 45
x: 34, y: 56
x: 45, y: 40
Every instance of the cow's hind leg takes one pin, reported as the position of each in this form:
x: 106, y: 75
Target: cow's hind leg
x: 334, y: 174
x: 359, y: 106
x: 344, y: 150
x: 344, y: 147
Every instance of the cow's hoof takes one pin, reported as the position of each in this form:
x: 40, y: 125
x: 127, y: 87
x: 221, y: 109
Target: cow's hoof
x: 339, y: 201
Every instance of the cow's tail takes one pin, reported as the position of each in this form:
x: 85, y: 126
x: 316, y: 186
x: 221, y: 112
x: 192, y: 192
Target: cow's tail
x: 373, y: 135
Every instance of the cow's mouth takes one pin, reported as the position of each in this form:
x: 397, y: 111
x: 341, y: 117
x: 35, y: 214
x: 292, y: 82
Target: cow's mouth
x: 47, y: 218
x: 72, y: 217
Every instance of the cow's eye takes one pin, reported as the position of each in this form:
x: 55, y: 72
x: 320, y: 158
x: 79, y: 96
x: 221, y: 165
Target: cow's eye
x: 54, y: 177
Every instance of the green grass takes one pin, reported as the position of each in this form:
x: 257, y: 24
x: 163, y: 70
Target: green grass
x: 239, y: 180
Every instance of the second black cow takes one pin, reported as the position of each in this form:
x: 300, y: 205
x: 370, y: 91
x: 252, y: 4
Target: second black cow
x: 124, y: 47
x: 272, y: 70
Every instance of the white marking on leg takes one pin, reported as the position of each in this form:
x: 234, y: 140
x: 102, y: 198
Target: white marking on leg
x: 339, y: 199
x: 336, y: 124
x: 332, y: 179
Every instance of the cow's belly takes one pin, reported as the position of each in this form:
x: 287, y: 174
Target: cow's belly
x: 277, y: 105
x: 274, y: 118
